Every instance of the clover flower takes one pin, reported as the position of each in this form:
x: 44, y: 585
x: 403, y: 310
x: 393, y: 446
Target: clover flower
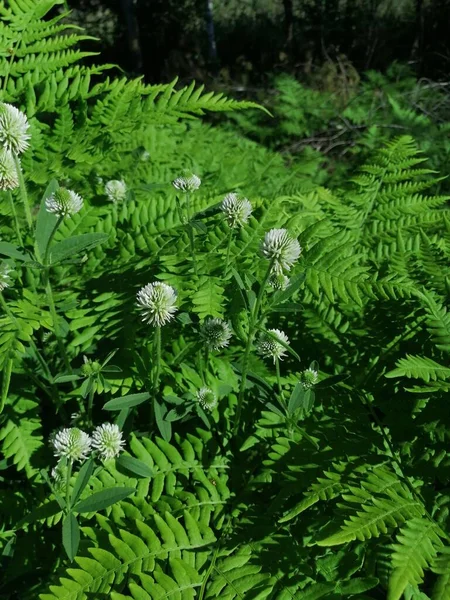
x: 157, y: 303
x: 269, y: 347
x: 9, y: 177
x: 279, y: 281
x: 13, y: 129
x: 116, y: 190
x: 281, y: 248
x: 72, y: 444
x: 64, y: 202
x: 236, y: 210
x: 215, y: 333
x: 189, y: 183
x: 309, y: 378
x: 107, y: 439
x: 5, y: 279
x: 207, y: 398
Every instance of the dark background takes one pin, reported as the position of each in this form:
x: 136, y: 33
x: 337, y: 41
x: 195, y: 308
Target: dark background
x: 242, y: 41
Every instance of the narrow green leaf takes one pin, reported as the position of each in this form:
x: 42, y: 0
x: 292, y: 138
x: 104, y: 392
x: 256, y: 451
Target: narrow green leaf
x: 71, y: 246
x: 296, y: 398
x: 7, y: 249
x: 164, y: 426
x: 70, y: 535
x: 84, y: 475
x: 134, y: 465
x: 103, y: 499
x: 45, y: 223
x: 66, y: 378
x: 126, y: 401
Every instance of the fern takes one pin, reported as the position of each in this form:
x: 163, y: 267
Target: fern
x: 418, y: 544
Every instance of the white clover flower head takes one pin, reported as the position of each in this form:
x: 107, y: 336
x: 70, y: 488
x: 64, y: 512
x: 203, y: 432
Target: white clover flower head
x: 279, y: 281
x: 73, y: 444
x: 116, y: 190
x: 107, y: 439
x: 207, y: 398
x: 14, y: 127
x: 64, y: 202
x: 5, y: 279
x: 237, y: 210
x: 279, y: 247
x: 9, y: 177
x: 157, y: 303
x: 309, y: 378
x: 269, y: 347
x: 216, y: 333
x: 145, y: 156
x: 187, y: 183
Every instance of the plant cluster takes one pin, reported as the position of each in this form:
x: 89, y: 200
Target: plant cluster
x: 219, y: 378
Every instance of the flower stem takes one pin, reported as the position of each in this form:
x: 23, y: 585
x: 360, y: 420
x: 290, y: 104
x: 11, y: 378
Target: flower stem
x: 227, y: 260
x: 23, y: 192
x: 243, y: 381
x: 90, y: 404
x: 191, y: 232
x: 6, y: 380
x: 68, y: 476
x: 51, y: 303
x: 253, y: 326
x: 50, y: 239
x: 157, y: 354
x: 280, y: 389
x: 16, y: 220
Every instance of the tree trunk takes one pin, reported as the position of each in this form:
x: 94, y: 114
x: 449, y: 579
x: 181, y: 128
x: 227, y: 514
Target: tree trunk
x: 288, y: 22
x: 134, y: 45
x: 212, y: 47
x: 417, y: 49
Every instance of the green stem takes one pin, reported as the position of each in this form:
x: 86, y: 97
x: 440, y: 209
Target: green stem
x: 23, y: 192
x: 51, y: 303
x: 90, y: 404
x: 6, y: 380
x: 50, y: 239
x: 243, y: 381
x: 253, y: 326
x: 69, y: 475
x: 191, y: 232
x: 227, y: 260
x: 157, y: 353
x: 280, y: 389
x: 16, y: 220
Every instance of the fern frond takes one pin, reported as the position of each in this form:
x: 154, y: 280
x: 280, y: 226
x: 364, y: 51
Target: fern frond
x: 418, y: 543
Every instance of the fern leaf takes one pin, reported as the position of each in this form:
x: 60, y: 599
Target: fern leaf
x: 441, y: 567
x: 417, y: 545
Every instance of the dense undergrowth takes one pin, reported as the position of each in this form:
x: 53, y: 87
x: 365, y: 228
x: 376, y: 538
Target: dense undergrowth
x: 321, y: 475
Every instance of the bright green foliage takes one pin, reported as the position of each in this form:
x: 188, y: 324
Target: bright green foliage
x: 336, y: 490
